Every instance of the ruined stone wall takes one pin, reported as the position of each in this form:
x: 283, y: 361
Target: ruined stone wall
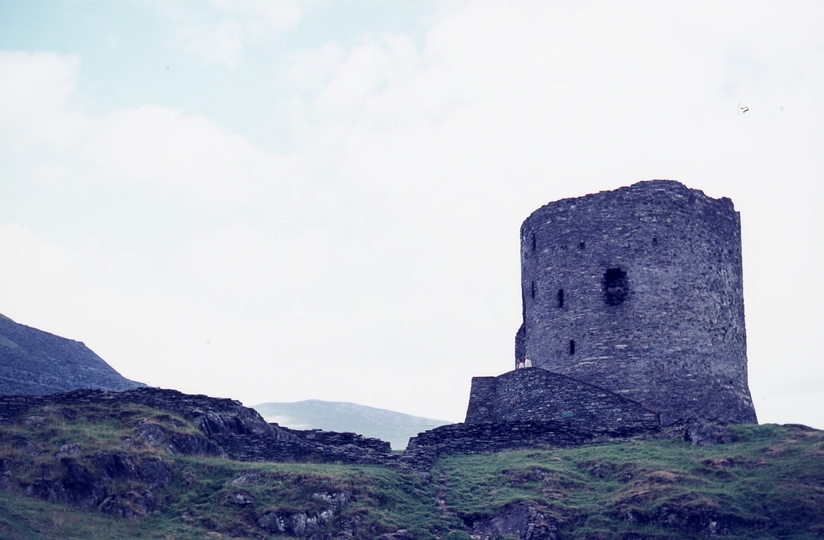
x: 228, y: 428
x: 488, y: 437
x: 537, y: 395
x: 639, y: 291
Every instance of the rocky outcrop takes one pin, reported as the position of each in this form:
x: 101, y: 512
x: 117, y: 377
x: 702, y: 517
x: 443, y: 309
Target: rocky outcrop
x: 36, y: 363
x: 92, y: 482
x: 521, y: 521
x: 703, y: 434
x: 227, y: 428
x: 698, y: 520
x: 303, y: 523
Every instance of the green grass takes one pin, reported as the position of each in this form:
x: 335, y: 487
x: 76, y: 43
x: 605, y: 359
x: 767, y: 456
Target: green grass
x: 94, y: 427
x: 198, y: 502
x: 769, y: 483
x: 381, y: 499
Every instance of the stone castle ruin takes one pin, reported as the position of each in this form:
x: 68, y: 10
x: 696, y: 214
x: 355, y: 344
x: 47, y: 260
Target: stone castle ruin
x: 633, y: 313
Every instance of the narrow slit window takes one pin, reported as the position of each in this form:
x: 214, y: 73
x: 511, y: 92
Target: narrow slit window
x: 533, y: 289
x: 533, y: 242
x: 560, y: 298
x: 571, y: 346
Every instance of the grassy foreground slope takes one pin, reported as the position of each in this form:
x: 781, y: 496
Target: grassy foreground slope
x: 768, y: 483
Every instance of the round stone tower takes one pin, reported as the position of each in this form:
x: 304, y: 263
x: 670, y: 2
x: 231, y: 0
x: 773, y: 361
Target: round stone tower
x: 639, y: 291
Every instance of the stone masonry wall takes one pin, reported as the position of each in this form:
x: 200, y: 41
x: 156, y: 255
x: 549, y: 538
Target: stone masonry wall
x: 639, y: 291
x: 538, y: 395
x: 487, y: 437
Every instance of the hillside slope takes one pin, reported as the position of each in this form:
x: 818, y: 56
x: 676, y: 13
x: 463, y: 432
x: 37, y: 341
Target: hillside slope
x: 36, y: 363
x: 93, y: 469
x: 383, y: 424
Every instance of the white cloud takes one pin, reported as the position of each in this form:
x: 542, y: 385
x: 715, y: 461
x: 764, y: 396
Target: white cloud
x: 36, y: 105
x: 28, y: 259
x: 189, y: 154
x: 309, y: 69
x: 243, y: 264
x: 263, y: 15
x: 217, y: 32
x: 221, y: 42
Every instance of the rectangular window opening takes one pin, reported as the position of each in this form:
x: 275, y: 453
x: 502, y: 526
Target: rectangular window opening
x: 571, y: 346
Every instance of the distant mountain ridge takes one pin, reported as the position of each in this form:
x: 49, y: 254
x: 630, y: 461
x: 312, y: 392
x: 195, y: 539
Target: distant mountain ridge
x: 383, y: 424
x: 36, y: 363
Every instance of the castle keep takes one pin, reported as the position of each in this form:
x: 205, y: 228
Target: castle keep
x: 634, y: 295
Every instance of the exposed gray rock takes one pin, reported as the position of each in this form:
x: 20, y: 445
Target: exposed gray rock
x: 250, y: 478
x: 177, y: 444
x: 400, y: 534
x: 241, y: 498
x: 25, y: 445
x: 303, y: 523
x: 156, y: 473
x: 151, y: 434
x: 180, y: 444
x: 699, y: 520
x: 132, y: 505
x: 90, y: 482
x: 521, y: 521
x: 700, y: 434
x: 115, y: 466
x: 68, y: 450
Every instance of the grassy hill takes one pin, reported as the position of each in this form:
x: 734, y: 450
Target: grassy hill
x: 767, y: 483
x: 391, y: 426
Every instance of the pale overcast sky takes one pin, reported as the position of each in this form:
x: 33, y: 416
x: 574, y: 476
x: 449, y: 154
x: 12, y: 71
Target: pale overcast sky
x: 277, y: 201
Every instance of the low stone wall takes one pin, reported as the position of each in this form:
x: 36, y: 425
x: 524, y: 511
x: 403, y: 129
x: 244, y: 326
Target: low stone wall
x: 337, y: 438
x: 488, y: 437
x: 538, y: 395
